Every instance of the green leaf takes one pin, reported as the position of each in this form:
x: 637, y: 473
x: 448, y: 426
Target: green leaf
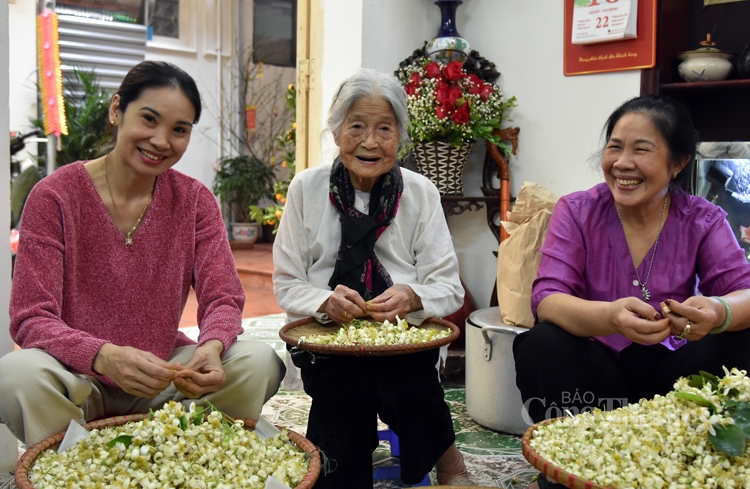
x: 714, y: 380
x: 183, y: 422
x: 728, y: 439
x: 689, y: 396
x: 696, y: 381
x: 198, y: 420
x: 741, y: 418
x: 124, y: 439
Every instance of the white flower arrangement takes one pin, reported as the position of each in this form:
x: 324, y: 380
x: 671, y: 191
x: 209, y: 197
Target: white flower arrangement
x: 365, y: 332
x: 169, y: 450
x: 677, y: 441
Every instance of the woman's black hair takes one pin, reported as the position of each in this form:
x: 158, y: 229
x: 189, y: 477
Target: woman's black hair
x: 673, y: 121
x: 158, y: 74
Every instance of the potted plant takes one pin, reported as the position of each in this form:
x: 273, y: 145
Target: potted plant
x: 449, y: 110
x: 270, y: 216
x: 242, y: 181
x: 86, y: 110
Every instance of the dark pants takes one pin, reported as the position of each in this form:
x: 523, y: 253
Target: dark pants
x: 556, y: 370
x: 348, y: 393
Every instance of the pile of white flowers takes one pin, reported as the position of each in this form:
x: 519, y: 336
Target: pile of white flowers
x: 373, y: 333
x: 173, y: 449
x: 667, y: 442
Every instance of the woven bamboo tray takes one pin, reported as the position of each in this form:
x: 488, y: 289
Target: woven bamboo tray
x: 292, y: 332
x: 549, y: 469
x: 28, y: 458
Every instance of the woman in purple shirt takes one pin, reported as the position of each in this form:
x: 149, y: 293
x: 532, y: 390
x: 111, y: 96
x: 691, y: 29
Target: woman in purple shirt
x: 637, y: 278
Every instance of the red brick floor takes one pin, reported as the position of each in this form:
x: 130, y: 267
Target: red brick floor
x: 255, y: 267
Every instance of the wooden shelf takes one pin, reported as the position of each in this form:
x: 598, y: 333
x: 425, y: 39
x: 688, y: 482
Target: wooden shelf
x: 719, y: 108
x: 698, y: 89
x: 454, y: 205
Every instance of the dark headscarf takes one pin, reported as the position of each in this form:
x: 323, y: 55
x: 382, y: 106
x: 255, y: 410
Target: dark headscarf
x: 357, y: 267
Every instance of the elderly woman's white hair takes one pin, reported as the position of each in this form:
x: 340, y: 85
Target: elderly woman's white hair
x: 364, y: 83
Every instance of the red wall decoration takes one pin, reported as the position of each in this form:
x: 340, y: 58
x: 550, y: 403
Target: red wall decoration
x: 630, y: 54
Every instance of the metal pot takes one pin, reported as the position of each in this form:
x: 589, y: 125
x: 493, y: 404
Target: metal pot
x: 492, y: 398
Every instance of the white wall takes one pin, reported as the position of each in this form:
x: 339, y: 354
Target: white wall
x: 22, y: 57
x: 8, y: 443
x: 560, y: 117
x: 342, y: 56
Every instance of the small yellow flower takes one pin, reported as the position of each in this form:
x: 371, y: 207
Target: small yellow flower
x: 294, y: 126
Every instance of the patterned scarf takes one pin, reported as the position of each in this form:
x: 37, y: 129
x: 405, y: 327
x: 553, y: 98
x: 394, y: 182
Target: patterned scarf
x: 357, y: 267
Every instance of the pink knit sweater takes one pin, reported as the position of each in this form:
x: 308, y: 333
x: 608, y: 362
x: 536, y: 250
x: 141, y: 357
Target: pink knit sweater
x: 77, y: 286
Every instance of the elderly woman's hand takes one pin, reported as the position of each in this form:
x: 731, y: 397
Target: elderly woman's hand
x: 638, y: 321
x: 703, y: 314
x: 398, y: 300
x: 344, y: 305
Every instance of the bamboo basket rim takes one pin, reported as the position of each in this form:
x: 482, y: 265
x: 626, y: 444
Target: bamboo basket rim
x: 29, y: 457
x: 550, y: 470
x: 292, y: 332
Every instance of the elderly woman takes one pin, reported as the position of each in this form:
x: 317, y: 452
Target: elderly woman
x: 365, y: 237
x: 639, y: 282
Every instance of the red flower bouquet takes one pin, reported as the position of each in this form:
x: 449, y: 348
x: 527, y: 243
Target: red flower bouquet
x: 447, y: 103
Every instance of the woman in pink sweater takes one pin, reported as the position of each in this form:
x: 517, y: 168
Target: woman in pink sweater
x: 108, y: 251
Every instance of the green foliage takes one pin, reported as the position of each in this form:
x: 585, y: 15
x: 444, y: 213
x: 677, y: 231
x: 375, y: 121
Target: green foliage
x: 286, y: 143
x: 242, y: 181
x: 727, y: 438
x: 86, y: 110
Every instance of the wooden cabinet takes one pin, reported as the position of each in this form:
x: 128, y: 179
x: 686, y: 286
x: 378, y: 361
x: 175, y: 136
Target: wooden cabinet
x: 720, y: 110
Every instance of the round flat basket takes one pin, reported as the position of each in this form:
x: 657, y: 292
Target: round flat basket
x: 28, y: 458
x: 549, y: 469
x: 292, y: 332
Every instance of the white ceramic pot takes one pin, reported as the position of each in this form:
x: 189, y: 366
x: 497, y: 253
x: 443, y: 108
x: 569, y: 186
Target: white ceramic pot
x: 492, y: 398
x: 247, y: 232
x: 705, y: 64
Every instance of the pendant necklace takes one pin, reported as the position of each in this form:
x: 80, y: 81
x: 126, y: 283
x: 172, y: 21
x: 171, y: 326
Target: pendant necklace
x: 637, y: 282
x: 128, y: 234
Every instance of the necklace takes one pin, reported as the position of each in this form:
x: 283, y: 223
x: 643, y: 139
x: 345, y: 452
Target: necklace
x: 128, y: 234
x: 644, y: 291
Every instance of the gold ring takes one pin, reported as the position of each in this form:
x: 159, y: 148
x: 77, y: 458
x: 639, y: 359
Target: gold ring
x: 685, y: 331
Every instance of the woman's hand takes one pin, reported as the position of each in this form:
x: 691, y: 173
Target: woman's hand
x: 137, y: 372
x: 203, y: 373
x: 638, y: 321
x: 703, y: 314
x: 398, y: 300
x: 344, y: 305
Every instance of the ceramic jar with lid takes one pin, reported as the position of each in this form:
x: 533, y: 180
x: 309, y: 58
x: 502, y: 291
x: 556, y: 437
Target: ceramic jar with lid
x: 706, y: 63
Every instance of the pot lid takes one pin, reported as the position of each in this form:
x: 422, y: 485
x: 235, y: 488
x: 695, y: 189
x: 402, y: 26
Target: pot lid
x: 492, y: 316
x: 707, y: 50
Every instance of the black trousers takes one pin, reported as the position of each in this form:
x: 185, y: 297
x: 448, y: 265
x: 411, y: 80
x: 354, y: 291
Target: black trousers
x: 556, y: 370
x: 348, y: 393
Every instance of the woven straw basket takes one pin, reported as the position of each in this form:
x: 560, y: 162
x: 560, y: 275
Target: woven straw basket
x: 28, y: 458
x: 292, y: 332
x: 443, y: 164
x: 549, y: 469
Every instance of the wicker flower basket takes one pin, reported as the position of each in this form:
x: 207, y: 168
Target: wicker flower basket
x: 547, y: 468
x: 28, y: 458
x: 292, y: 332
x: 443, y: 164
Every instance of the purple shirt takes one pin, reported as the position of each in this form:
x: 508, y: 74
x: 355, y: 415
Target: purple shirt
x: 585, y: 255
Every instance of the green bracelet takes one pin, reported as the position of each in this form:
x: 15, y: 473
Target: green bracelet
x: 728, y: 310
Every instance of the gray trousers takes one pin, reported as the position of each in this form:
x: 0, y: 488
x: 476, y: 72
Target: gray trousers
x: 39, y: 395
